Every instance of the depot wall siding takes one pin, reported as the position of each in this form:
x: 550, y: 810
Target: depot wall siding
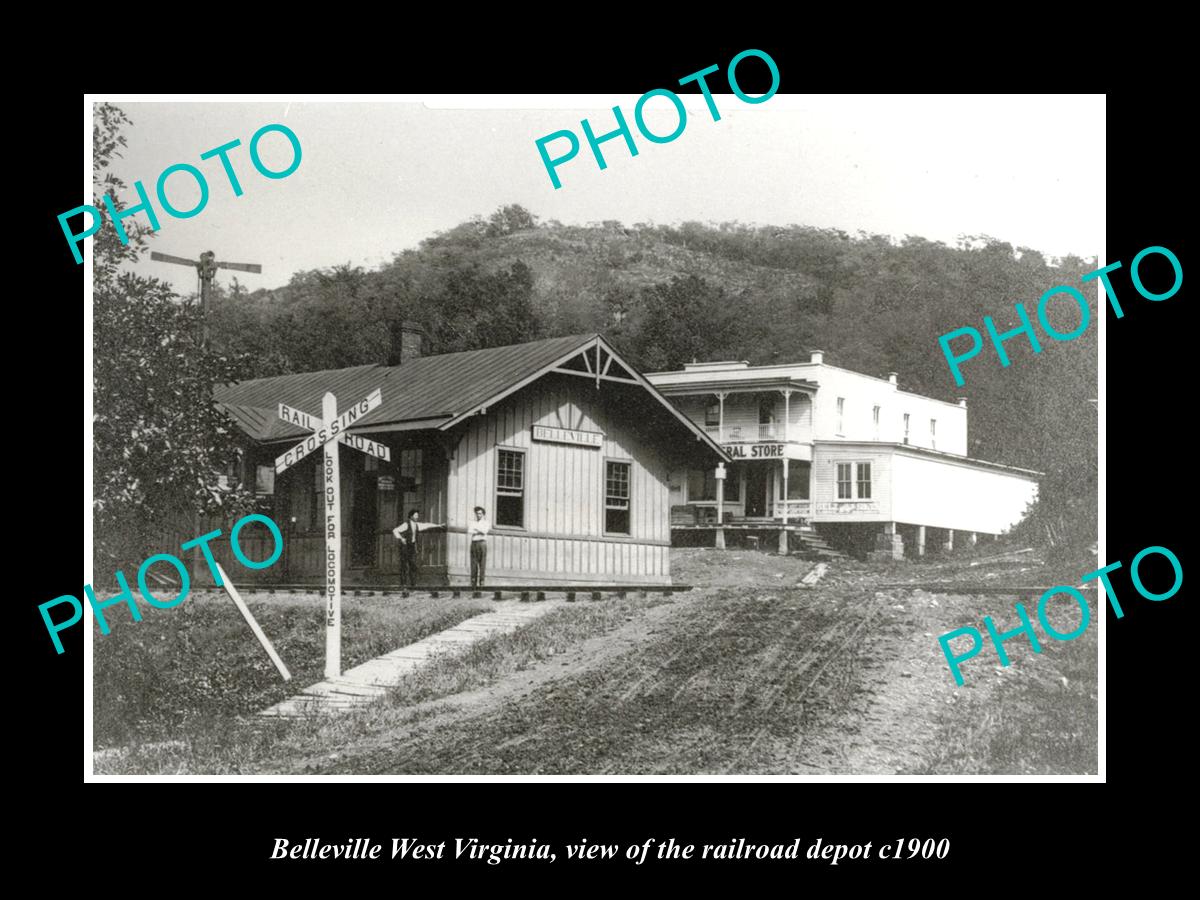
x: 563, y: 538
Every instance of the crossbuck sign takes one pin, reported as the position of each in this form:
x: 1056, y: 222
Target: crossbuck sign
x: 328, y: 432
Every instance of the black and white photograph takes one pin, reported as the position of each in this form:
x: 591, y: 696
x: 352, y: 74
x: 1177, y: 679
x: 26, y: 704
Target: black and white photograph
x: 719, y: 431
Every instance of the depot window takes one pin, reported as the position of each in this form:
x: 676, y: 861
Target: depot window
x: 264, y: 480
x: 510, y: 488
x: 616, y: 497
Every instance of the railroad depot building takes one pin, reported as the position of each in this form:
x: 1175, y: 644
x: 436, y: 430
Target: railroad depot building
x: 564, y: 444
x: 851, y: 457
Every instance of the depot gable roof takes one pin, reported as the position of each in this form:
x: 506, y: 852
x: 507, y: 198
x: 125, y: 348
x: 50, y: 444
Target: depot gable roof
x: 430, y: 392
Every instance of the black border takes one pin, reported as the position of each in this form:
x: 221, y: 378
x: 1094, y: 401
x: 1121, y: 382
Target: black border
x: 1010, y: 829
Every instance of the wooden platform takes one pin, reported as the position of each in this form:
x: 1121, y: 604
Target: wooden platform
x: 498, y: 592
x: 362, y: 684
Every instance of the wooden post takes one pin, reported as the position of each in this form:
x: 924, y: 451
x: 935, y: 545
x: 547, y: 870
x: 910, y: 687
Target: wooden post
x: 720, y: 538
x: 249, y: 617
x: 920, y: 540
x: 787, y: 430
x: 783, y: 541
x: 720, y: 474
x: 333, y: 548
x: 329, y: 433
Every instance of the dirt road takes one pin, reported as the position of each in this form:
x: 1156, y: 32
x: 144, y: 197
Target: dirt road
x: 753, y: 675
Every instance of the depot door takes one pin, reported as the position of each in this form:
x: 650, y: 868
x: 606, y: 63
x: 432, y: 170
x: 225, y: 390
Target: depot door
x: 757, y: 481
x: 364, y: 518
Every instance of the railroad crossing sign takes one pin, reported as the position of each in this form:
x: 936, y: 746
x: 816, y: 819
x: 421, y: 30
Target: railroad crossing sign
x: 327, y: 433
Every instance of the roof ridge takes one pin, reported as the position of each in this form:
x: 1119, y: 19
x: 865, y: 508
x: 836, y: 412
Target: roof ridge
x: 313, y: 372
x: 564, y: 338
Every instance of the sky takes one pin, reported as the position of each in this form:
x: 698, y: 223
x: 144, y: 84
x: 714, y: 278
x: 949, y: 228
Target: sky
x: 376, y: 177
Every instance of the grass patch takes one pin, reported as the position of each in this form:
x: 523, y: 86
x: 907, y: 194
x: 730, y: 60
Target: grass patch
x: 224, y: 743
x: 1041, y: 720
x: 193, y: 670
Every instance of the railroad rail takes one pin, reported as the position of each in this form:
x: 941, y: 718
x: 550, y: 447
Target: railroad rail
x: 967, y: 587
x: 525, y: 592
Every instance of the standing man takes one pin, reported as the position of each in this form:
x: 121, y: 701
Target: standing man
x: 409, y: 535
x: 478, y: 532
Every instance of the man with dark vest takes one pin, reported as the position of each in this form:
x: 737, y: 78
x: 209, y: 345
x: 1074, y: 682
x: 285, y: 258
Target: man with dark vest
x: 409, y: 535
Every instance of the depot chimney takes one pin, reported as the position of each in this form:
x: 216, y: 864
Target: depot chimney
x: 408, y: 343
x: 818, y: 357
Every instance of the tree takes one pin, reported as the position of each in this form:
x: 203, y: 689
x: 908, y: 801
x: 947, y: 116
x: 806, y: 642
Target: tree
x: 160, y: 444
x: 685, y: 319
x: 472, y: 308
x: 510, y: 219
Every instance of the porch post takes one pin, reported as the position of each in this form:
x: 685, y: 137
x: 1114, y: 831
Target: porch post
x: 948, y: 547
x: 783, y: 541
x: 720, y: 417
x: 720, y: 541
x: 920, y: 540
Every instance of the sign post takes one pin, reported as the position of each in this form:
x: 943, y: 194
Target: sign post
x: 327, y: 433
x: 720, y: 539
x: 333, y: 548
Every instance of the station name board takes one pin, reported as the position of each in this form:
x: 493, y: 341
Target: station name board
x: 568, y: 436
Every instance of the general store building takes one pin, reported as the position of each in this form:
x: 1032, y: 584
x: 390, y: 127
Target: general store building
x: 852, y: 457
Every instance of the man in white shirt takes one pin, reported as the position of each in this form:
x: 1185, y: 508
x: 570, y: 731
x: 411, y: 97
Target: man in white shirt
x: 477, y: 532
x: 409, y: 535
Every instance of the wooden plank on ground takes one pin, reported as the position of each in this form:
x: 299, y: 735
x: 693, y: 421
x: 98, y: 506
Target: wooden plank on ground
x: 370, y: 681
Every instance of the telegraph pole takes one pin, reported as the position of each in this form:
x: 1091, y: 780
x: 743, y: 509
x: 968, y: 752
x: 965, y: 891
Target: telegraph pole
x: 206, y: 267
